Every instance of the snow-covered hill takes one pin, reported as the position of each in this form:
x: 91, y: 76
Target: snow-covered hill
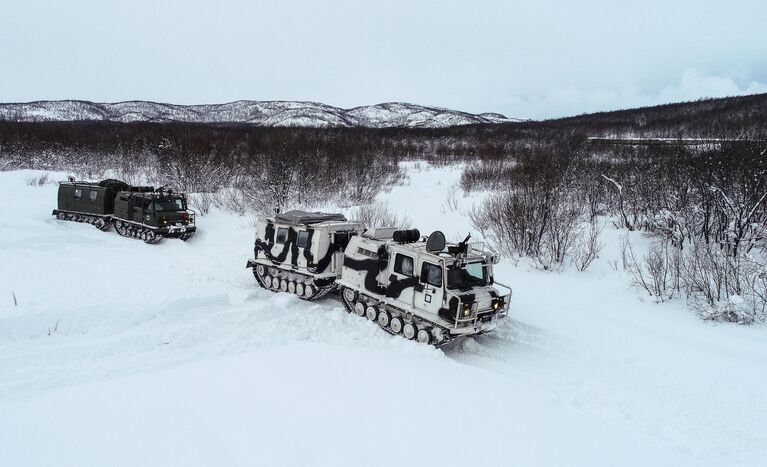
x: 122, y: 353
x: 265, y: 113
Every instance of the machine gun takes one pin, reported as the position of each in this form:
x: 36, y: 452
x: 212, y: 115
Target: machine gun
x: 462, y: 249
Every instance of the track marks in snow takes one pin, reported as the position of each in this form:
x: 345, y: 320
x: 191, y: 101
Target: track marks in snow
x: 95, y: 307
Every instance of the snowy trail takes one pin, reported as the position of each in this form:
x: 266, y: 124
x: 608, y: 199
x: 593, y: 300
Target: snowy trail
x: 116, y: 344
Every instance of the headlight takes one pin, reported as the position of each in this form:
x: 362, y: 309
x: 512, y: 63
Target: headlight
x: 498, y: 303
x: 466, y: 310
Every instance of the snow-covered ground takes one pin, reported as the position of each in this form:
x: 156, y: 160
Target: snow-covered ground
x: 122, y: 353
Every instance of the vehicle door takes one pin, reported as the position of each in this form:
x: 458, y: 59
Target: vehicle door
x: 431, y: 291
x: 303, y: 243
x: 149, y: 214
x: 403, y: 278
x: 137, y: 210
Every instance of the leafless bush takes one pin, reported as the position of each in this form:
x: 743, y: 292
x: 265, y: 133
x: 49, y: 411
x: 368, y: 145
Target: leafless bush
x: 195, y: 173
x: 139, y: 168
x: 515, y: 221
x: 202, y: 201
x: 8, y: 163
x: 379, y: 215
x: 624, y: 220
x: 488, y: 175
x: 252, y: 220
x: 722, y: 287
x: 623, y: 244
x: 38, y: 180
x: 544, y: 225
x: 480, y: 220
x: 451, y: 201
x: 658, y: 271
x: 561, y: 235
x: 367, y: 178
x: 588, y: 246
x: 232, y: 199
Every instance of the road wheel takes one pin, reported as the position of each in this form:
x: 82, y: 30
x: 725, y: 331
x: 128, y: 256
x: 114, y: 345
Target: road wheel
x: 408, y: 330
x: 396, y: 325
x: 384, y: 318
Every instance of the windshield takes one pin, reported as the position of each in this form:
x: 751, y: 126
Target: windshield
x: 169, y: 204
x: 473, y: 275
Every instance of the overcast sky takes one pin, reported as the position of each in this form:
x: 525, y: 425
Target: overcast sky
x: 527, y: 58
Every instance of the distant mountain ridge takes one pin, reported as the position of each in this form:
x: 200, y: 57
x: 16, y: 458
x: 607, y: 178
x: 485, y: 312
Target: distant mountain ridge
x: 261, y: 113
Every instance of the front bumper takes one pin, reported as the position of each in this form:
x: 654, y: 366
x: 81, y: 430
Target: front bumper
x: 484, y: 321
x: 176, y: 230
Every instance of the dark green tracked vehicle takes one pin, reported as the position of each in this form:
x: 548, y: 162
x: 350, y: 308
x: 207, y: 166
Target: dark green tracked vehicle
x: 141, y: 212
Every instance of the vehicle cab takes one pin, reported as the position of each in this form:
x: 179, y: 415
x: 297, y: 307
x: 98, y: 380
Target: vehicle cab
x: 451, y: 286
x: 167, y: 211
x: 162, y: 210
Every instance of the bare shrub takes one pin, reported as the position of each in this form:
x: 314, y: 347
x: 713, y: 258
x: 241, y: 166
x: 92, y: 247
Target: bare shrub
x: 202, y: 201
x: 546, y: 226
x: 722, y: 287
x: 657, y: 272
x: 7, y: 163
x: 479, y: 219
x: 232, y: 199
x: 487, y: 175
x: 561, y: 235
x: 367, y: 177
x: 515, y: 221
x: 451, y: 201
x: 621, y: 209
x: 269, y: 187
x: 623, y: 244
x: 38, y: 180
x: 379, y: 215
x: 139, y: 168
x: 588, y: 246
x: 252, y: 220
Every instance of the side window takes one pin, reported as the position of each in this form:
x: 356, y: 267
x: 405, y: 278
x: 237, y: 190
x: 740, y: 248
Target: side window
x: 403, y: 265
x: 432, y: 274
x: 303, y: 239
x: 94, y: 195
x: 78, y: 193
x: 282, y: 235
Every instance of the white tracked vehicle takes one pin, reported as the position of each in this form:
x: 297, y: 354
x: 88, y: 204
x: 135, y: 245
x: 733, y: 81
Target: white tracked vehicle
x: 301, y: 252
x: 418, y: 287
